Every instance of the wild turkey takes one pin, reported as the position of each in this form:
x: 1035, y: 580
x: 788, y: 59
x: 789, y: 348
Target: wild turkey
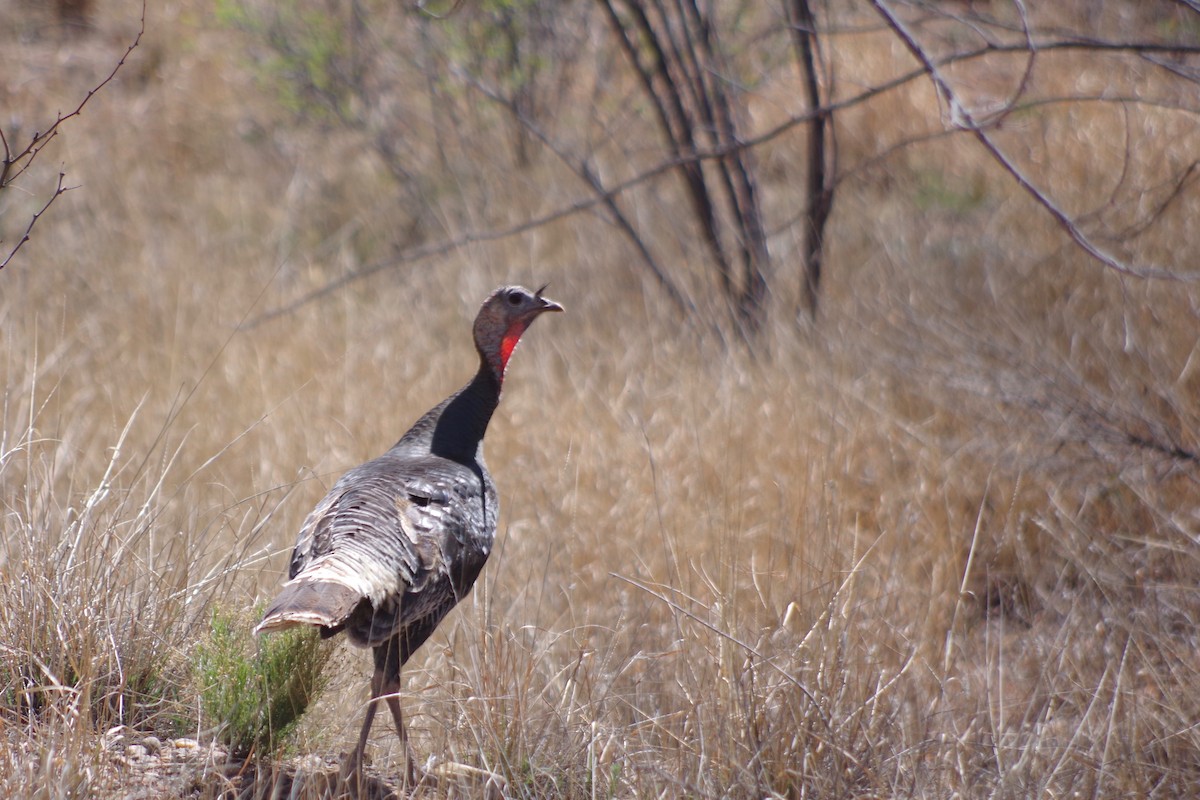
x: 399, y: 541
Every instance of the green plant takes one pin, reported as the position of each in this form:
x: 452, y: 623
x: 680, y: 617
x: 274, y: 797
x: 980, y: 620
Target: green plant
x: 257, y: 692
x: 311, y: 62
x: 936, y: 190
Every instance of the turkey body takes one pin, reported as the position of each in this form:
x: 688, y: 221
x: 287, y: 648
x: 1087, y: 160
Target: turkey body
x: 400, y: 540
x: 409, y: 532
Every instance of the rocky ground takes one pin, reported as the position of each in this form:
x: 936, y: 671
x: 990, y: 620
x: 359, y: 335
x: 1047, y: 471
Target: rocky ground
x: 145, y: 766
x: 138, y: 766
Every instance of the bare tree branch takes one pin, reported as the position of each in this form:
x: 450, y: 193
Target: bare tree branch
x: 822, y: 165
x: 586, y: 204
x: 14, y: 165
x: 585, y: 173
x: 972, y: 55
x: 674, y: 124
x: 685, y: 155
x: 736, y: 169
x: 1178, y: 184
x: 59, y: 189
x: 675, y: 49
x: 962, y: 117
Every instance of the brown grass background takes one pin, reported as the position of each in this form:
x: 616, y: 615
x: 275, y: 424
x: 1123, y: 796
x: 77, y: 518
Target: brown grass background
x: 936, y: 545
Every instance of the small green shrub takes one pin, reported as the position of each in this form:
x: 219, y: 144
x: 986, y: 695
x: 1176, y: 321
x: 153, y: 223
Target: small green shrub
x: 939, y: 191
x: 256, y: 691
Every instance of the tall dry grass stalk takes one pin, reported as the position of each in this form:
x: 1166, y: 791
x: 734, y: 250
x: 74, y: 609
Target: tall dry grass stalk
x: 943, y: 545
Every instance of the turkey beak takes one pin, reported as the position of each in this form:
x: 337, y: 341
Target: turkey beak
x: 547, y: 303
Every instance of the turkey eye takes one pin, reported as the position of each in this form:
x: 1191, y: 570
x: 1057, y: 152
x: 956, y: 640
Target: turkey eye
x: 514, y: 299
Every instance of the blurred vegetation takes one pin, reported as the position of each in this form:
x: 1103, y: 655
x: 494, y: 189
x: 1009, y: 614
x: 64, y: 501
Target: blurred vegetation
x: 939, y: 541
x: 310, y: 50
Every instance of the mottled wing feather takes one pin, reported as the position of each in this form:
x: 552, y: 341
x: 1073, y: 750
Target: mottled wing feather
x: 409, y: 533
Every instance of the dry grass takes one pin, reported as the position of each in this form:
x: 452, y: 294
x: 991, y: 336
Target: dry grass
x: 940, y: 547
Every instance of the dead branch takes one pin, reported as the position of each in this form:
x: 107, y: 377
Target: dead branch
x: 675, y: 52
x: 736, y: 170
x: 963, y: 119
x: 822, y: 163
x: 584, y: 172
x: 59, y: 190
x: 15, y: 165
x: 673, y: 123
x: 685, y: 157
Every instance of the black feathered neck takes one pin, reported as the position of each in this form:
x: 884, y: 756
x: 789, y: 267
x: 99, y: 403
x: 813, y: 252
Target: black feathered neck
x: 455, y: 427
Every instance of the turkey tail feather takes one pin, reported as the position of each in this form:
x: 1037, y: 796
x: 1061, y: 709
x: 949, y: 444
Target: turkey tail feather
x: 322, y: 603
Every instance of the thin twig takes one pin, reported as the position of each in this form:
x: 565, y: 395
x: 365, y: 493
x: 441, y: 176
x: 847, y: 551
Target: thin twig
x: 41, y: 139
x: 588, y: 175
x: 14, y: 166
x: 59, y: 190
x: 962, y: 117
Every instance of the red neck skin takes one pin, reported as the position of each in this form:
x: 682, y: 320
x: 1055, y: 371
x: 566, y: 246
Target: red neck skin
x: 508, y: 344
